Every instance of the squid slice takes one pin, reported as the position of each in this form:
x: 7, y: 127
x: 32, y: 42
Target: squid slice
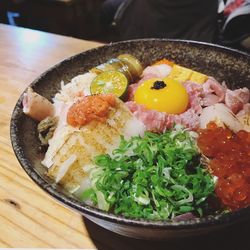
x: 222, y: 116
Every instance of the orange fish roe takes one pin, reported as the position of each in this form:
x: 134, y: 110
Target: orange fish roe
x: 164, y: 61
x: 94, y: 107
x: 230, y: 162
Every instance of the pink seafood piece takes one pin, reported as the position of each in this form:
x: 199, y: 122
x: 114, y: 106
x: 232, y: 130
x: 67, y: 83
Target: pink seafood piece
x: 37, y: 106
x: 195, y: 92
x: 155, y: 71
x: 235, y: 99
x: 213, y: 91
x: 245, y: 110
x: 189, y: 119
x: 158, y: 71
x: 153, y: 120
x: 184, y: 217
x: 159, y: 121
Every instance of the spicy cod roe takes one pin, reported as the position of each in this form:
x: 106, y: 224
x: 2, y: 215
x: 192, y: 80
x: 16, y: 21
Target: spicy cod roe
x: 94, y: 107
x: 229, y: 155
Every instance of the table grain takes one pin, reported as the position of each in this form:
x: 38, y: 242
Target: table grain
x: 30, y: 218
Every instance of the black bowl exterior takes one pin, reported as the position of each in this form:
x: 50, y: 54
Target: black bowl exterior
x: 230, y: 66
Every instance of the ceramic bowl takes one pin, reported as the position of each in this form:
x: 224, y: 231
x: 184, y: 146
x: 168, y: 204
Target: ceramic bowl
x: 224, y: 64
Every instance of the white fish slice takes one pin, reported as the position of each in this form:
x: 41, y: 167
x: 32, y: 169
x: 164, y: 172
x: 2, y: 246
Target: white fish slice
x: 71, y: 150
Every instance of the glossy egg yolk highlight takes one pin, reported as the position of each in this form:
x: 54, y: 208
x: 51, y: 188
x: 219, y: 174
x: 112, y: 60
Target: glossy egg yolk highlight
x: 165, y: 95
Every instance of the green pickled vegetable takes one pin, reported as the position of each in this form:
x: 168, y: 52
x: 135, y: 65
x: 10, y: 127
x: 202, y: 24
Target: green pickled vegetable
x: 46, y: 129
x: 125, y: 63
x: 134, y: 65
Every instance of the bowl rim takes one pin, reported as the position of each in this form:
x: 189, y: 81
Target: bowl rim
x: 73, y: 203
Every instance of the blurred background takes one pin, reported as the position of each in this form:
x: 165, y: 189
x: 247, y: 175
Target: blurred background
x: 226, y: 22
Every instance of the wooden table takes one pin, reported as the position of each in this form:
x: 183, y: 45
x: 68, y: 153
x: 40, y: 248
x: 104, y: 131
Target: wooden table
x: 28, y: 216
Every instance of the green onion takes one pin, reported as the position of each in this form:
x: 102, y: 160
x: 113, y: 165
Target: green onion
x: 154, y: 177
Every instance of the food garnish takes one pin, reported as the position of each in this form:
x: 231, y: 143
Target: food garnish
x: 36, y: 106
x: 114, y: 64
x: 110, y: 82
x: 159, y: 85
x: 134, y: 65
x: 46, y: 129
x: 180, y: 73
x: 164, y: 61
x: 230, y: 162
x: 220, y: 114
x: 153, y: 177
x: 93, y: 107
x: 198, y: 77
x: 125, y: 63
x: 245, y: 120
x: 164, y: 95
x: 183, y: 74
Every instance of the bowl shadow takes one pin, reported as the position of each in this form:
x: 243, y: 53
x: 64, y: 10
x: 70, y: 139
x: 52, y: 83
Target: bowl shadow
x: 231, y: 238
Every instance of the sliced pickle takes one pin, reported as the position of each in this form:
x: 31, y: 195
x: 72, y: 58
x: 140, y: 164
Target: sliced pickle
x: 114, y: 65
x: 120, y: 66
x: 134, y: 65
x: 96, y: 71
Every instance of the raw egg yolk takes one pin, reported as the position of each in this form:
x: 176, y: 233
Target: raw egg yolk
x: 164, y: 95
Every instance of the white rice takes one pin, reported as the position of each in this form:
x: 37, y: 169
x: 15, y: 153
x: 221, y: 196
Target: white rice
x: 79, y: 84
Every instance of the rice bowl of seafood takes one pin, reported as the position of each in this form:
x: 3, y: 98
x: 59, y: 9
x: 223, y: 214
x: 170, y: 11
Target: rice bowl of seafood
x: 148, y: 138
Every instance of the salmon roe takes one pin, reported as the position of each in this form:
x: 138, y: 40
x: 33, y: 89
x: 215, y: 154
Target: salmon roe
x: 164, y: 61
x: 229, y: 155
x: 94, y: 107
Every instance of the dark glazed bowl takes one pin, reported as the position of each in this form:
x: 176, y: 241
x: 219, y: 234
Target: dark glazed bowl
x: 224, y: 64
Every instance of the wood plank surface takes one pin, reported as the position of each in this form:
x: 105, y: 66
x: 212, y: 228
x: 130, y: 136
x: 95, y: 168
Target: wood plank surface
x: 28, y: 216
